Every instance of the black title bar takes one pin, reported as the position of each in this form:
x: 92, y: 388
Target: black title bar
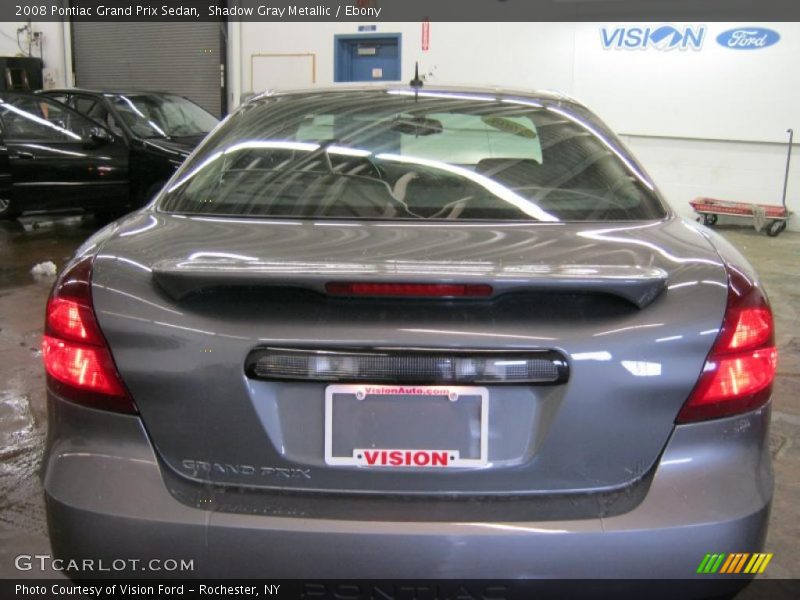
x: 277, y: 589
x: 373, y: 11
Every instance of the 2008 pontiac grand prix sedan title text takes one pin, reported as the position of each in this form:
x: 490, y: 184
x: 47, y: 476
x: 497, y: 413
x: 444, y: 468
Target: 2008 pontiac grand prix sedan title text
x: 164, y: 10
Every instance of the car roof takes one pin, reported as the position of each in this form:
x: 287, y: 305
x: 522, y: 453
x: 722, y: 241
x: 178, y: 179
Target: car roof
x: 498, y: 91
x: 16, y: 93
x: 107, y: 92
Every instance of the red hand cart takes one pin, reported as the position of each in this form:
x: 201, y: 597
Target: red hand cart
x: 765, y: 216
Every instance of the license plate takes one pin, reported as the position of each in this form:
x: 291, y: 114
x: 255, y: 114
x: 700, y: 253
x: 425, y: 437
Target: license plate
x: 407, y: 427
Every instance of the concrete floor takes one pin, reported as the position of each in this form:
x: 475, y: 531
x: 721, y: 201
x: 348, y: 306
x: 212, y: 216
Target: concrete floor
x: 23, y: 417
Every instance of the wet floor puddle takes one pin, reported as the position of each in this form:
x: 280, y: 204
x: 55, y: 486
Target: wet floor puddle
x: 21, y: 446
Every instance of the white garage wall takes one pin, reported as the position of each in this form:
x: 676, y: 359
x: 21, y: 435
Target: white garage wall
x: 711, y: 93
x: 497, y: 53
x: 748, y: 172
x: 52, y: 48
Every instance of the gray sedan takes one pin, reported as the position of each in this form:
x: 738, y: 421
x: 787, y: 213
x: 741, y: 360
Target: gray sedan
x: 403, y: 332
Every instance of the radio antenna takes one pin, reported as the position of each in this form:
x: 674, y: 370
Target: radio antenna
x: 416, y: 83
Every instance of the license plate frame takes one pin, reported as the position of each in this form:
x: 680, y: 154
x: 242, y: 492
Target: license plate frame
x: 420, y: 458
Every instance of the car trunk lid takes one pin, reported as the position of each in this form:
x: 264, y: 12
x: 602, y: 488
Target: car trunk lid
x: 632, y: 310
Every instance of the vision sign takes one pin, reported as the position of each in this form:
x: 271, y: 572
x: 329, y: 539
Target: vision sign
x: 660, y: 37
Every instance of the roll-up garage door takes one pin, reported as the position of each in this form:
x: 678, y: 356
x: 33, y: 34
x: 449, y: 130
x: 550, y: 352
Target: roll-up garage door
x: 182, y: 58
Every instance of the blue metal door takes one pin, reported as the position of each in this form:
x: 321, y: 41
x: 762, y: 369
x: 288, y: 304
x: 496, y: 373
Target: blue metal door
x: 367, y: 58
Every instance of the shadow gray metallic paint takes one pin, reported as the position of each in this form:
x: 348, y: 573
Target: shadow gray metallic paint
x: 605, y: 428
x: 229, y: 469
x: 711, y: 493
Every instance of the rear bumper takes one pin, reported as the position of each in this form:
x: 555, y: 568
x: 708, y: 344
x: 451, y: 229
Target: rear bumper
x: 107, y: 499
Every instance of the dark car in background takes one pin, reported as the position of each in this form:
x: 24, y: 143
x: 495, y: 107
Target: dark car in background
x: 399, y: 333
x: 142, y: 137
x: 160, y: 129
x: 53, y: 158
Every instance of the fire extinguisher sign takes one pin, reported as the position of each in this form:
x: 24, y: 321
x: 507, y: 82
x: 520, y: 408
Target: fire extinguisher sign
x: 426, y: 34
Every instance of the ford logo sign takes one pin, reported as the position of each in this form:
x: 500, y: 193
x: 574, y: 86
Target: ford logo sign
x: 748, y: 38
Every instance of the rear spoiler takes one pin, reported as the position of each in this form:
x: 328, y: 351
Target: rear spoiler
x: 638, y: 285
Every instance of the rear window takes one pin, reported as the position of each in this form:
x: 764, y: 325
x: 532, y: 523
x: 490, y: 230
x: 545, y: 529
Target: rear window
x: 391, y: 155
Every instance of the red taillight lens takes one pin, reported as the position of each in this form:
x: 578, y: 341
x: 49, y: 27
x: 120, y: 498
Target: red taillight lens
x: 753, y: 328
x: 411, y: 290
x: 76, y: 357
x: 70, y: 320
x: 85, y: 367
x: 740, y: 369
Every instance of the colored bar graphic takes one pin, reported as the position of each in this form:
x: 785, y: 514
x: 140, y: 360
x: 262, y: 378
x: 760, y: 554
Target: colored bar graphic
x: 767, y: 558
x: 727, y: 564
x: 740, y: 563
x: 735, y: 563
x: 754, y: 563
x: 711, y: 563
x: 703, y: 563
x: 718, y: 562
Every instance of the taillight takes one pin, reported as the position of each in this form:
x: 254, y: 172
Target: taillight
x: 740, y: 368
x: 410, y: 290
x: 76, y: 356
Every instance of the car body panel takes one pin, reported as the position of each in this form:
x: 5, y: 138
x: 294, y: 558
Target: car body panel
x: 588, y: 475
x: 125, y: 508
x: 649, y: 359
